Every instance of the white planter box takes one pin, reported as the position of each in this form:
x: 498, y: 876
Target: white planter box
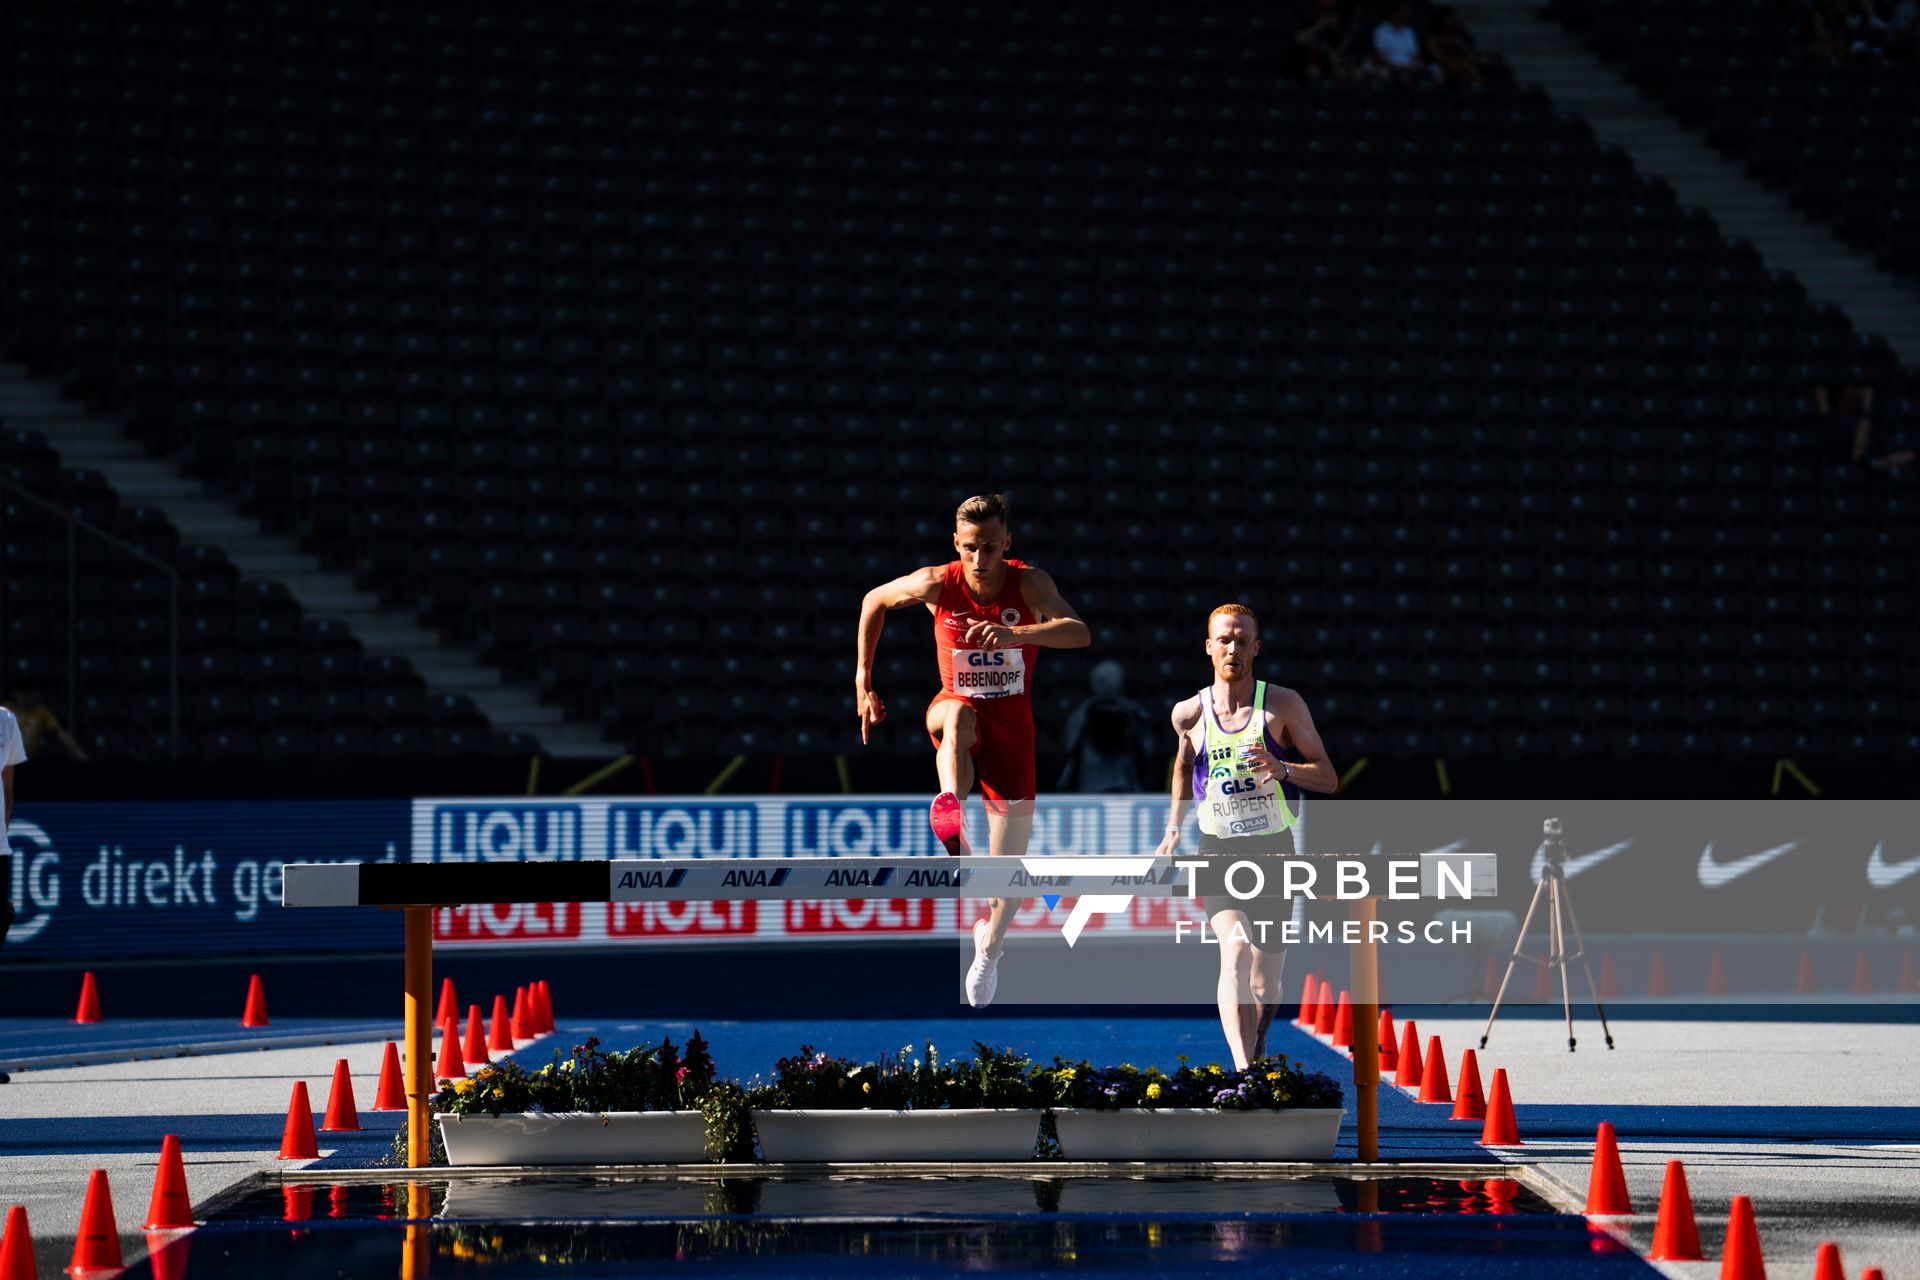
x: 618, y: 1137
x: 1196, y: 1133
x: 910, y: 1136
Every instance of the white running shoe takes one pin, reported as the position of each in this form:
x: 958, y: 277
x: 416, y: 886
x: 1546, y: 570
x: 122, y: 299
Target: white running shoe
x: 983, y: 975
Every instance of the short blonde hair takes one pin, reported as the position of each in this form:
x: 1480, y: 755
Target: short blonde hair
x: 981, y: 508
x: 1231, y: 610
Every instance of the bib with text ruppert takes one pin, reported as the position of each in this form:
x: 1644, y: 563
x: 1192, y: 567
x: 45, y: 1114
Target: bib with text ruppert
x: 1232, y: 800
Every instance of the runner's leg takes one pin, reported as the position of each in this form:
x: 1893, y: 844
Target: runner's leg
x: 956, y: 728
x: 1269, y: 968
x: 1009, y: 827
x: 1273, y: 997
x: 1239, y: 1016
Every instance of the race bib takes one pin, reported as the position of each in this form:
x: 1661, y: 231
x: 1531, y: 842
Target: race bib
x: 1238, y: 804
x: 989, y: 673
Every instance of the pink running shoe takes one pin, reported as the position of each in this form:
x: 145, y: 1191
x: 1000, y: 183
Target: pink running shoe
x: 949, y: 822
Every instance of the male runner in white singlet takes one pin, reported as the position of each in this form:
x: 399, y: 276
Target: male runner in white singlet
x: 1247, y: 750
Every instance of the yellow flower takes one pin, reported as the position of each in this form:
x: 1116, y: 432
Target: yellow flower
x: 463, y: 1086
x: 1067, y: 1073
x: 1213, y: 1069
x: 498, y: 1092
x: 1154, y: 1091
x: 866, y: 1086
x: 483, y: 1073
x: 1273, y: 1075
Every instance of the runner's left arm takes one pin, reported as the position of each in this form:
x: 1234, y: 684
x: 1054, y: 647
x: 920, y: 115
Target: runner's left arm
x: 1288, y: 720
x: 1056, y: 625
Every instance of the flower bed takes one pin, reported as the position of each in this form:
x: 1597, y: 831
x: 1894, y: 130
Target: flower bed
x: 636, y: 1106
x: 1269, y: 1111
x: 657, y: 1105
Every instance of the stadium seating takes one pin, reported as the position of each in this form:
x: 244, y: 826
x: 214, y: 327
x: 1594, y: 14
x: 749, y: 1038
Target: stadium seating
x: 632, y: 343
x: 1838, y: 139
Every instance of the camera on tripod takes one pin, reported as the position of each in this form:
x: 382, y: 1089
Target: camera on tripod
x: 1553, y: 893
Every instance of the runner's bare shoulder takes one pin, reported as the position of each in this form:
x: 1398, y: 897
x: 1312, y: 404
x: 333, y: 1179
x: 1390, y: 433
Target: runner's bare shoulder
x: 1186, y: 715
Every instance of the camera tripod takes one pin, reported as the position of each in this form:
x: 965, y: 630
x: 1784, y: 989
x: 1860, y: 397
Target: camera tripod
x: 1560, y: 918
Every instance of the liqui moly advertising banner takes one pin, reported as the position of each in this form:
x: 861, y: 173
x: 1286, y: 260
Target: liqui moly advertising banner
x: 1834, y: 886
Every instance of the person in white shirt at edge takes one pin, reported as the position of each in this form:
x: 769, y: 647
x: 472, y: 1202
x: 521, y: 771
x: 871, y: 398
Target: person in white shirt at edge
x: 13, y: 751
x: 1396, y: 46
x: 1261, y: 738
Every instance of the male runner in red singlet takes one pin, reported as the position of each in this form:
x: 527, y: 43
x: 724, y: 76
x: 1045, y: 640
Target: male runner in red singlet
x: 991, y: 618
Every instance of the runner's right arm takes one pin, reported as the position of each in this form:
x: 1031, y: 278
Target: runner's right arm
x: 1185, y: 716
x: 922, y: 586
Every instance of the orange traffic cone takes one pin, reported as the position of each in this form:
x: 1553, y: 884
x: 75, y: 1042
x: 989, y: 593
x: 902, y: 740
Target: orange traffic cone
x: 256, y: 1011
x: 1607, y: 1183
x: 1675, y: 1237
x: 1657, y: 977
x: 474, y: 1049
x: 542, y: 1020
x: 1740, y: 1257
x: 1323, y: 1015
x: 1409, y: 1072
x: 1609, y: 984
x: 499, y: 1035
x: 1871, y: 1273
x: 1803, y: 982
x: 89, y: 1010
x: 391, y: 1093
x: 1909, y: 974
x: 169, y: 1209
x: 1826, y: 1262
x: 1389, y: 1051
x: 296, y: 1140
x: 97, y: 1247
x: 16, y: 1247
x: 167, y: 1254
x: 1469, y: 1103
x: 1433, y: 1081
x: 1716, y: 975
x: 1309, y: 992
x: 546, y: 1005
x: 446, y: 1008
x: 1501, y: 1129
x: 342, y: 1116
x: 517, y: 1020
x: 451, y: 1066
x: 1862, y: 974
x: 1343, y: 1023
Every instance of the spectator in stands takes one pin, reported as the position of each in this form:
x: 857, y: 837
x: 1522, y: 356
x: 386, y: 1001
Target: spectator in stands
x: 1316, y: 52
x: 1901, y: 38
x: 1827, y: 31
x: 1848, y: 411
x: 1110, y: 739
x: 36, y: 720
x: 1396, y: 48
x: 12, y: 752
x: 1451, y: 50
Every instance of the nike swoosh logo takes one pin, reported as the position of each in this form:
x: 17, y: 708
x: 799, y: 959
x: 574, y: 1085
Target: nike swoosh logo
x: 1882, y: 874
x: 1576, y: 865
x: 1715, y: 874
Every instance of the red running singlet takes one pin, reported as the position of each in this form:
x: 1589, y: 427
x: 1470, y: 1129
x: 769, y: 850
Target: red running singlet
x: 996, y: 683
